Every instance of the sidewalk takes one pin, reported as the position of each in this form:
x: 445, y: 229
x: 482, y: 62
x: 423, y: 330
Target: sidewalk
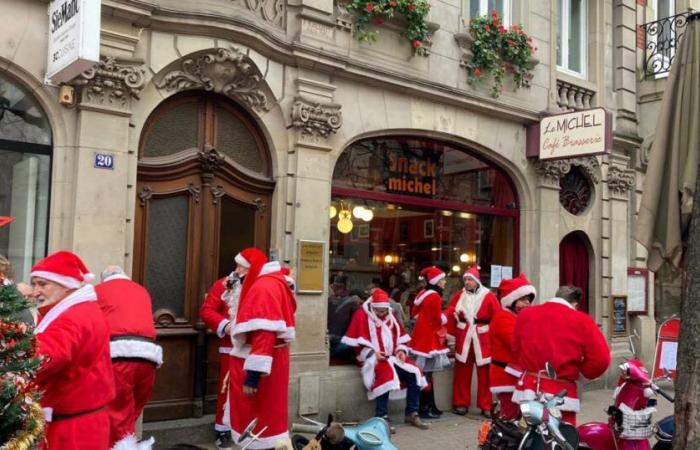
x: 454, y: 432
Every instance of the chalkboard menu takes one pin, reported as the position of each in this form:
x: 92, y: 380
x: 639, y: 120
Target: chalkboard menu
x: 619, y: 315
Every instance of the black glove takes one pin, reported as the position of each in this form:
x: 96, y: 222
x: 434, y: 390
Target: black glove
x: 252, y: 378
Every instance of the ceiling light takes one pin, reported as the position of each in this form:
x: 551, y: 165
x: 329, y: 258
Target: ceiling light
x: 333, y: 211
x: 345, y: 225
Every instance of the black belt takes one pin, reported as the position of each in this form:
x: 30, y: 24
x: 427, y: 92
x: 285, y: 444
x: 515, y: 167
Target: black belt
x: 131, y: 337
x: 499, y: 363
x: 482, y: 322
x: 58, y: 417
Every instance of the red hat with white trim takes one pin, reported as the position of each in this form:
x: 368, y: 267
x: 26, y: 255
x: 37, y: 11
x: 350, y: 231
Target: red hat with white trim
x: 64, y: 268
x: 432, y: 274
x: 473, y: 273
x: 246, y: 257
x: 515, y: 288
x: 379, y: 299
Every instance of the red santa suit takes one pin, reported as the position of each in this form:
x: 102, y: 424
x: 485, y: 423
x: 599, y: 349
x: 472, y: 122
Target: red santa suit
x: 76, y: 374
x: 502, y: 376
x: 370, y: 335
x: 127, y: 307
x: 569, y: 340
x: 468, y: 318
x: 261, y: 335
x: 427, y: 309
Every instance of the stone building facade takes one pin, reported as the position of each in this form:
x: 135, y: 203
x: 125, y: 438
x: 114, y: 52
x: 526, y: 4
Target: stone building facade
x: 225, y: 121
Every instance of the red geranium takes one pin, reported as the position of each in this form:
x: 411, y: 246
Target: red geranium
x: 393, y: 4
x: 416, y: 43
x: 412, y: 6
x: 369, y: 7
x: 477, y: 72
x: 501, y: 29
x: 487, y: 28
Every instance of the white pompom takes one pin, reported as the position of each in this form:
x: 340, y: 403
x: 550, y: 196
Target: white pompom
x: 88, y: 277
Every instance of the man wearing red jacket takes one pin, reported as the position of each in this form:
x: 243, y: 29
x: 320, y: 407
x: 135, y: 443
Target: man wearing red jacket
x: 218, y: 313
x: 73, y: 337
x: 263, y: 329
x: 127, y: 307
x: 516, y: 294
x: 468, y: 318
x: 568, y: 339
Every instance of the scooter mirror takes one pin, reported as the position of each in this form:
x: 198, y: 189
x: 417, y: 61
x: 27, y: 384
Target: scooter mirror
x: 248, y: 430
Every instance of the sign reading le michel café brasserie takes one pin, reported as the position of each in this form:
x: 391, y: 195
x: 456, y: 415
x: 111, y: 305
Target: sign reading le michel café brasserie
x: 569, y: 135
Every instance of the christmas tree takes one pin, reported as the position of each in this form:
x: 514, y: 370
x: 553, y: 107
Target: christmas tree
x: 21, y: 418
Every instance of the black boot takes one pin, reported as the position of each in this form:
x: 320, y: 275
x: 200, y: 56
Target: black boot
x: 425, y: 406
x: 434, y: 410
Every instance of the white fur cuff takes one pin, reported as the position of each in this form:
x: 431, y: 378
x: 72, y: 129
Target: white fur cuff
x: 132, y: 348
x: 258, y: 363
x: 131, y: 443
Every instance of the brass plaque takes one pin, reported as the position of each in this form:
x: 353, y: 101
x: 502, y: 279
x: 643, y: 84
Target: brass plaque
x: 310, y: 267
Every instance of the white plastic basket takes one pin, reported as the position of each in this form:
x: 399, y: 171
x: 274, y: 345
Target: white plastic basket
x: 636, y: 425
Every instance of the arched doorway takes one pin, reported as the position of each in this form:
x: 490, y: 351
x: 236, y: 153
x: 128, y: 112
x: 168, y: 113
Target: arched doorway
x: 402, y: 203
x: 574, y: 265
x: 25, y: 177
x: 204, y: 189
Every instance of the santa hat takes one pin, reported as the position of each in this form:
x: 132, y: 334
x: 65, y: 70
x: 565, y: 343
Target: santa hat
x: 515, y: 288
x: 6, y: 220
x: 246, y: 256
x: 379, y: 299
x: 473, y: 273
x: 432, y: 274
x: 287, y: 272
x: 64, y: 268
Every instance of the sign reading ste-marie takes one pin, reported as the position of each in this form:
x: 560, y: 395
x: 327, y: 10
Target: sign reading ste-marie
x: 569, y: 135
x: 74, y: 38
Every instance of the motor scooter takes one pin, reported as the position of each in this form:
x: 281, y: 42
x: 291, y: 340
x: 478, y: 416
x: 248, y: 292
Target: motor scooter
x: 374, y: 434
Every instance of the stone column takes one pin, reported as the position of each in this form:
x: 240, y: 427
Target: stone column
x: 625, y: 65
x: 99, y: 226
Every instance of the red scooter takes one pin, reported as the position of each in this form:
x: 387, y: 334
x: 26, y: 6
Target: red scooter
x: 629, y: 425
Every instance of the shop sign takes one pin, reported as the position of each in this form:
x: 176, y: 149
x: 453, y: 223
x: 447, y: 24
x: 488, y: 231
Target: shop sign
x: 570, y: 135
x: 310, y: 267
x: 411, y: 173
x: 74, y: 38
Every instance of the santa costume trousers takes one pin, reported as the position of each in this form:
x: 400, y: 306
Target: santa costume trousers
x: 508, y: 410
x: 222, y: 421
x: 133, y: 382
x: 86, y: 432
x: 462, y: 384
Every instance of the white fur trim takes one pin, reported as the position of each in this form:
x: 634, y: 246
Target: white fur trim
x: 277, y: 326
x: 419, y: 299
x: 443, y: 319
x: 402, y: 348
x: 437, y: 278
x: 48, y: 413
x: 241, y: 261
x: 470, y: 275
x: 508, y: 300
x: 221, y: 326
x: 501, y: 389
x: 649, y: 393
x: 133, y: 348
x: 410, y: 368
x: 225, y: 350
x: 270, y: 267
x: 404, y: 339
x: 131, y: 443
x: 258, y: 363
x: 82, y: 295
x: 560, y: 301
x: 432, y: 352
x: 510, y: 370
x: 227, y: 411
x: 116, y: 276
x: 63, y: 280
x: 261, y: 442
x: 381, y: 305
x: 526, y: 395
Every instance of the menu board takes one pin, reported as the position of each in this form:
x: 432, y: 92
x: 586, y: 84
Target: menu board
x: 619, y: 315
x: 637, y: 290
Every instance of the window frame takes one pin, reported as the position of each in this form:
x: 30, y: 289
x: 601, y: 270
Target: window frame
x: 658, y: 16
x: 565, y: 32
x: 507, y: 10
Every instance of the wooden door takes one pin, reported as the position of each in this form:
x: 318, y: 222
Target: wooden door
x: 200, y: 201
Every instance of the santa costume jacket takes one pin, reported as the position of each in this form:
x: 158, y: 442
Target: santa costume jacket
x: 127, y: 307
x: 263, y: 329
x: 468, y: 322
x: 370, y: 335
x: 76, y: 375
x: 502, y: 376
x: 427, y: 309
x: 569, y: 340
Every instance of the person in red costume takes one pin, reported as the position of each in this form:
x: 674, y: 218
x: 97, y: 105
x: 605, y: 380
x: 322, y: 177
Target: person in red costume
x: 468, y: 318
x: 380, y: 342
x: 516, y: 294
x: 135, y: 356
x: 556, y: 333
x: 426, y: 347
x: 73, y: 337
x: 259, y: 367
x: 218, y: 312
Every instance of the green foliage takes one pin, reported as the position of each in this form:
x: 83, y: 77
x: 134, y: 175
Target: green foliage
x: 498, y: 50
x: 414, y: 13
x: 18, y: 366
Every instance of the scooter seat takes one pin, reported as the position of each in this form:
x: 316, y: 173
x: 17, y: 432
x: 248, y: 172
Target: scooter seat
x: 665, y: 428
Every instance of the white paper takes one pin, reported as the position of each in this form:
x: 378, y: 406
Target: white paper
x: 496, y: 276
x: 506, y: 272
x: 636, y: 293
x: 668, y: 355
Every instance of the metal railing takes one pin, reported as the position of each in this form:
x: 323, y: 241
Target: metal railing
x: 661, y: 40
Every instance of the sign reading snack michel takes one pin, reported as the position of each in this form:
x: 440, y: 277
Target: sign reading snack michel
x: 74, y: 38
x: 412, y: 173
x: 569, y: 135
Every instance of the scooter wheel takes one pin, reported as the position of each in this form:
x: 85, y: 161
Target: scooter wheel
x: 662, y: 446
x: 299, y: 442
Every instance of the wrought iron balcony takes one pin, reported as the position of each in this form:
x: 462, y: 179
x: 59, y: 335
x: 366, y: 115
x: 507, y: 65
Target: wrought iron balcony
x: 661, y: 40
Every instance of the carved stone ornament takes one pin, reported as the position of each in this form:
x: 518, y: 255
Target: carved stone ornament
x: 210, y: 159
x: 221, y: 70
x: 145, y: 195
x: 620, y: 180
x: 112, y: 82
x: 550, y: 171
x: 312, y: 118
x: 271, y: 11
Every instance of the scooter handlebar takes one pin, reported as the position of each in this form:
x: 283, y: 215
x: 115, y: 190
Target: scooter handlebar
x: 305, y: 428
x: 664, y: 394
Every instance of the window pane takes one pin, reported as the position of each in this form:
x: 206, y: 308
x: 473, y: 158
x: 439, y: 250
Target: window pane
x: 576, y: 35
x: 474, y: 8
x: 236, y: 141
x: 497, y: 5
x: 21, y: 117
x: 24, y: 195
x: 560, y: 29
x: 176, y: 130
x: 237, y: 231
x: 665, y: 8
x: 167, y: 252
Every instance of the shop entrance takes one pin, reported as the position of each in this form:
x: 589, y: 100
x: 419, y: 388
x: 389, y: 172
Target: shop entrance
x: 574, y: 265
x: 204, y: 189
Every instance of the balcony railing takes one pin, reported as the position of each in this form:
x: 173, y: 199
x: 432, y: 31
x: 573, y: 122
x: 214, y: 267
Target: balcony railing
x: 661, y: 40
